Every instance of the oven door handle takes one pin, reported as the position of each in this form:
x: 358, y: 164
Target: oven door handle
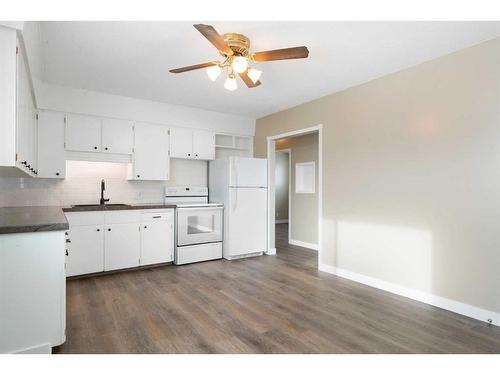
x: 212, y: 208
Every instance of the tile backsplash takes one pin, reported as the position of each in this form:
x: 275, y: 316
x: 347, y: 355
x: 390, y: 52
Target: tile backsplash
x: 82, y: 185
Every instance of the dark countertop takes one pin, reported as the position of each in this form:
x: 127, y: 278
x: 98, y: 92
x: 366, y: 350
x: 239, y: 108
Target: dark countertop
x: 133, y: 206
x: 32, y: 219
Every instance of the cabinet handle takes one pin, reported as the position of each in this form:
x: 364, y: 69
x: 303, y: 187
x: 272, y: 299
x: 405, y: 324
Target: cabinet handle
x: 24, y: 162
x: 189, y: 154
x: 138, y: 175
x: 145, y: 227
x: 105, y: 148
x: 196, y: 155
x: 57, y: 173
x: 157, y: 217
x: 68, y: 240
x: 109, y: 229
x: 95, y: 147
x: 98, y: 230
x: 67, y: 252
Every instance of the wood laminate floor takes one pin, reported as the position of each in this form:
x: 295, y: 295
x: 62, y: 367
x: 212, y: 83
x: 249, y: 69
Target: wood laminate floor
x: 268, y: 304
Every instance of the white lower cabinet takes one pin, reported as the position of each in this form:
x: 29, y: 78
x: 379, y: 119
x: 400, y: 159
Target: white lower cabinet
x: 85, y: 253
x: 112, y: 240
x: 122, y: 244
x: 157, y: 233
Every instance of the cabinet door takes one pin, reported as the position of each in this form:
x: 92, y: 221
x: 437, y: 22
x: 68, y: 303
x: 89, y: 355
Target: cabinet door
x: 204, y: 144
x: 86, y: 250
x: 157, y: 240
x: 26, y: 119
x: 51, y: 158
x: 181, y: 143
x: 122, y: 246
x: 150, y: 158
x: 83, y: 133
x: 117, y: 136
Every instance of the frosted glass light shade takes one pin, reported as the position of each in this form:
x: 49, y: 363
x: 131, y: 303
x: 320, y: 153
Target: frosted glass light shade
x: 240, y: 64
x: 231, y: 84
x: 214, y: 72
x: 254, y: 74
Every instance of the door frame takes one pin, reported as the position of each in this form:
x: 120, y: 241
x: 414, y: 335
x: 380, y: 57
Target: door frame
x: 289, y: 152
x: 271, y: 149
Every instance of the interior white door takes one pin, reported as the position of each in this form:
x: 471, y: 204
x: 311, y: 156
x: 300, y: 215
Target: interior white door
x: 51, y: 158
x: 86, y: 250
x: 181, y: 143
x: 83, y: 133
x: 150, y: 158
x: 246, y: 221
x: 157, y: 240
x: 248, y: 172
x: 203, y: 144
x: 122, y: 246
x: 117, y: 136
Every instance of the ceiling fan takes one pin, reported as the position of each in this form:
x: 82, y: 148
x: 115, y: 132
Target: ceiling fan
x: 237, y: 58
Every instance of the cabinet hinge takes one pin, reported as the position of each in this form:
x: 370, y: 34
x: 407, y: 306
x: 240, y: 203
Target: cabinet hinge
x: 169, y: 152
x: 168, y: 131
x: 17, y: 50
x: 64, y: 144
x: 16, y: 156
x: 36, y: 116
x: 65, y: 119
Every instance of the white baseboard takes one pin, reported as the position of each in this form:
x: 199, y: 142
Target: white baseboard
x: 281, y: 221
x: 271, y: 251
x: 431, y: 299
x: 312, y: 246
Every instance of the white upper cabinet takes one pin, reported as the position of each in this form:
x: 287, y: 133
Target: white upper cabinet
x: 151, y: 159
x: 117, y: 136
x: 181, y: 143
x: 83, y: 133
x: 204, y: 144
x: 192, y: 144
x: 51, y: 158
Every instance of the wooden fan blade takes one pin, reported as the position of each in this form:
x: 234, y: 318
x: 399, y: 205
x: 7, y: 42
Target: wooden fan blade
x: 281, y: 54
x: 193, y: 67
x: 244, y: 76
x: 213, y: 37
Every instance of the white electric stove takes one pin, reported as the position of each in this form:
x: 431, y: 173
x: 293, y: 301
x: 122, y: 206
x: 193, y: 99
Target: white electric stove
x: 199, y: 224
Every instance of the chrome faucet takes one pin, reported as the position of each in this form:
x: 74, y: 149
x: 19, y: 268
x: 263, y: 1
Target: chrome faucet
x: 103, y: 187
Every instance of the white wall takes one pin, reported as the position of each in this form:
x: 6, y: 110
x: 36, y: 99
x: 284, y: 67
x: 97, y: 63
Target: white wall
x: 100, y: 104
x: 82, y: 185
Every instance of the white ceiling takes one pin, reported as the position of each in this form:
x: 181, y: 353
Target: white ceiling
x: 133, y: 58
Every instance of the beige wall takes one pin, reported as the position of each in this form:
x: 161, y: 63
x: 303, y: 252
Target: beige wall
x: 304, y: 207
x: 281, y: 181
x: 411, y: 188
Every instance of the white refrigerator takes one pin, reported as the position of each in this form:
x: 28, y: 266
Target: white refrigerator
x: 241, y: 185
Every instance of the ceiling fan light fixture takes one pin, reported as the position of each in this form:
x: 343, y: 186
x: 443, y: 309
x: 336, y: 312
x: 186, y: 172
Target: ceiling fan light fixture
x: 231, y: 84
x: 240, y: 64
x: 214, y: 72
x: 254, y: 74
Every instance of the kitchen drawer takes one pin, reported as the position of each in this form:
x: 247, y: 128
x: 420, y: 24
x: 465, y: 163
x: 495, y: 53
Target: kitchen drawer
x: 157, y: 215
x: 85, y: 218
x: 122, y: 216
x: 198, y: 253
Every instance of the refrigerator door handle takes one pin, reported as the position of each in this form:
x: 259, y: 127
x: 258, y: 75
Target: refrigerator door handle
x: 235, y: 200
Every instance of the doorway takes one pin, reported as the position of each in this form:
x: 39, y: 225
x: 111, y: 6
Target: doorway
x: 304, y: 214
